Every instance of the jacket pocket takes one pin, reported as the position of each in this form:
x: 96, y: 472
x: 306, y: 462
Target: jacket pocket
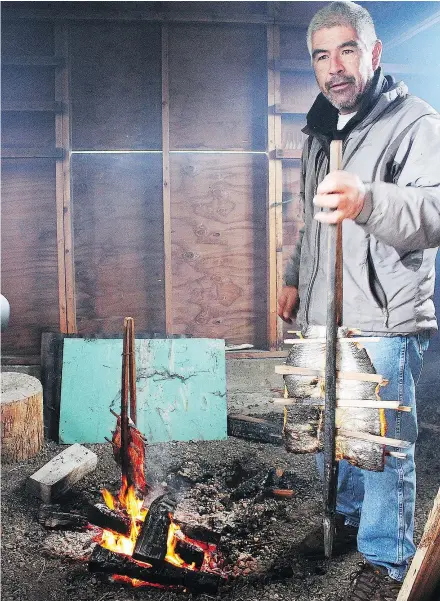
x: 376, y: 289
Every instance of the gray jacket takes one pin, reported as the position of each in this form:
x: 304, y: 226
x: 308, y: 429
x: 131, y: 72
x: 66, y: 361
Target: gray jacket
x: 389, y: 250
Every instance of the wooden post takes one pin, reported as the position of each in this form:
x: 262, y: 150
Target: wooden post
x: 66, y: 269
x: 132, y: 364
x: 334, y: 314
x: 166, y: 183
x: 275, y: 191
x: 21, y: 416
x: 125, y: 432
x: 424, y: 573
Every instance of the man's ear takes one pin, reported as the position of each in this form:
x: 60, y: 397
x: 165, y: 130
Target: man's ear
x: 377, y: 53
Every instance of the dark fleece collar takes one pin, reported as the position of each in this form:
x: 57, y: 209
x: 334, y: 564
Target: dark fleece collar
x: 322, y: 119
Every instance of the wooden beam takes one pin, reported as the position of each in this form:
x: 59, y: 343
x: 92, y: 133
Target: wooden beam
x: 319, y: 373
x: 423, y: 575
x: 407, y: 34
x: 275, y: 192
x: 32, y: 153
x: 166, y: 183
x: 33, y: 61
x: 66, y: 270
x: 45, y: 106
x: 61, y: 473
x: 44, y: 14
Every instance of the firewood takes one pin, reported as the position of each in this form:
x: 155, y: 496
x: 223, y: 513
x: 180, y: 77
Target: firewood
x: 21, y: 416
x: 107, y: 562
x: 62, y: 472
x: 151, y: 543
x: 103, y: 517
x: 52, y: 518
x: 190, y: 553
x: 198, y: 532
x: 253, y: 428
x: 422, y: 580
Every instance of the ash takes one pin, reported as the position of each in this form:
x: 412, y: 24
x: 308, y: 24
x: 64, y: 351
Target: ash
x: 220, y: 485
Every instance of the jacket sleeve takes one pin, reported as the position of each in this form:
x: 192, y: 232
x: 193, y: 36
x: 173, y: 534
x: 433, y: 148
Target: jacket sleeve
x: 291, y: 274
x: 406, y: 214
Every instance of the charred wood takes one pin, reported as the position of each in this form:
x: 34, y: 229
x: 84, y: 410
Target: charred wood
x: 253, y: 428
x: 198, y: 532
x: 50, y: 517
x: 107, y: 562
x: 103, y: 517
x: 152, y: 540
x: 190, y: 553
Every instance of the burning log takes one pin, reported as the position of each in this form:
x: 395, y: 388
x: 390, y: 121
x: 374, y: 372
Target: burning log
x: 279, y: 483
x: 190, y: 553
x: 151, y: 544
x: 254, y: 428
x: 107, y: 562
x: 51, y: 518
x: 103, y: 517
x: 200, y: 533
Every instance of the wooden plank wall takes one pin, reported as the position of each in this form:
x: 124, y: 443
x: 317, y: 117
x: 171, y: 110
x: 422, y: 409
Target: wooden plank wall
x: 28, y: 225
x: 215, y: 83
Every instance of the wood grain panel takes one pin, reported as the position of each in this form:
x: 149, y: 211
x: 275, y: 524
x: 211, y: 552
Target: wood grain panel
x: 118, y: 242
x: 27, y: 38
x: 218, y: 83
x: 116, y: 86
x: 293, y: 44
x: 298, y: 91
x: 29, y: 253
x: 27, y: 83
x: 218, y: 219
x: 28, y: 130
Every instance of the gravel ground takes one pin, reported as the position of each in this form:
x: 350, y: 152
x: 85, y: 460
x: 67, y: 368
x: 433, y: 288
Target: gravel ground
x: 259, y: 533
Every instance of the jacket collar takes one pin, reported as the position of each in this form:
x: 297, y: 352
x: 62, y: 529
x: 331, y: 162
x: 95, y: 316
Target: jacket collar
x: 322, y: 118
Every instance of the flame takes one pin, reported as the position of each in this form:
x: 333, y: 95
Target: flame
x: 127, y: 502
x: 137, y: 583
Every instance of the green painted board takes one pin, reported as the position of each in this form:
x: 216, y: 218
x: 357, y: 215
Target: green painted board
x: 181, y: 389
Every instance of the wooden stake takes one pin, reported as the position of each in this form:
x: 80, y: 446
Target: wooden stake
x: 319, y: 373
x: 344, y: 403
x: 125, y: 434
x: 132, y: 371
x: 391, y: 442
x: 424, y: 572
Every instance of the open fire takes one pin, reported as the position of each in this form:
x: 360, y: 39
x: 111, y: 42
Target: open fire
x: 146, y: 546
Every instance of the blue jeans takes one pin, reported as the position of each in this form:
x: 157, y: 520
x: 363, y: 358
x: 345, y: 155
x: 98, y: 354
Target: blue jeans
x: 382, y: 503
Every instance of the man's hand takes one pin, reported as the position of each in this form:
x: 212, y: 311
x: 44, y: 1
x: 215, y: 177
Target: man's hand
x: 342, y: 191
x: 287, y: 303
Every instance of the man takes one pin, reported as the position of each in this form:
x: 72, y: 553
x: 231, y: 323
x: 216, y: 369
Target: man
x: 388, y: 197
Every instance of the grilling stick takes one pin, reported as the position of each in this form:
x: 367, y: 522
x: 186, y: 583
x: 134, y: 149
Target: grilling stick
x: 334, y: 319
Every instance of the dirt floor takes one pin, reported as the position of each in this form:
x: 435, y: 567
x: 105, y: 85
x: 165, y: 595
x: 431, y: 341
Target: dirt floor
x: 259, y: 534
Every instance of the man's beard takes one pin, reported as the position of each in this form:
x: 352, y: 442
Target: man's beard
x: 348, y: 101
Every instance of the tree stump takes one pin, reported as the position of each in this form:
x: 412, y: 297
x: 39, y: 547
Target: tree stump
x: 21, y: 416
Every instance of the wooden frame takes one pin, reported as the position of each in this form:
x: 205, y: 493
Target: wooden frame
x: 66, y: 269
x: 275, y: 191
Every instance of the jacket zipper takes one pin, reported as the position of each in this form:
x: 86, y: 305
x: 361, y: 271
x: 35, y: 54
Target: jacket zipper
x: 316, y: 255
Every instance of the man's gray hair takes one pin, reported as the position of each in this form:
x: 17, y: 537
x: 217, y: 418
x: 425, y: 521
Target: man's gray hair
x: 346, y: 14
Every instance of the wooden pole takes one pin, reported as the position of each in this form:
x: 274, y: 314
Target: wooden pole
x: 132, y: 371
x: 334, y: 316
x: 125, y: 433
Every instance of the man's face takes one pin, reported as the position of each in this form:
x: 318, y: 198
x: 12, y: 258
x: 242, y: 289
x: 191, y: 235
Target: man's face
x: 343, y: 65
